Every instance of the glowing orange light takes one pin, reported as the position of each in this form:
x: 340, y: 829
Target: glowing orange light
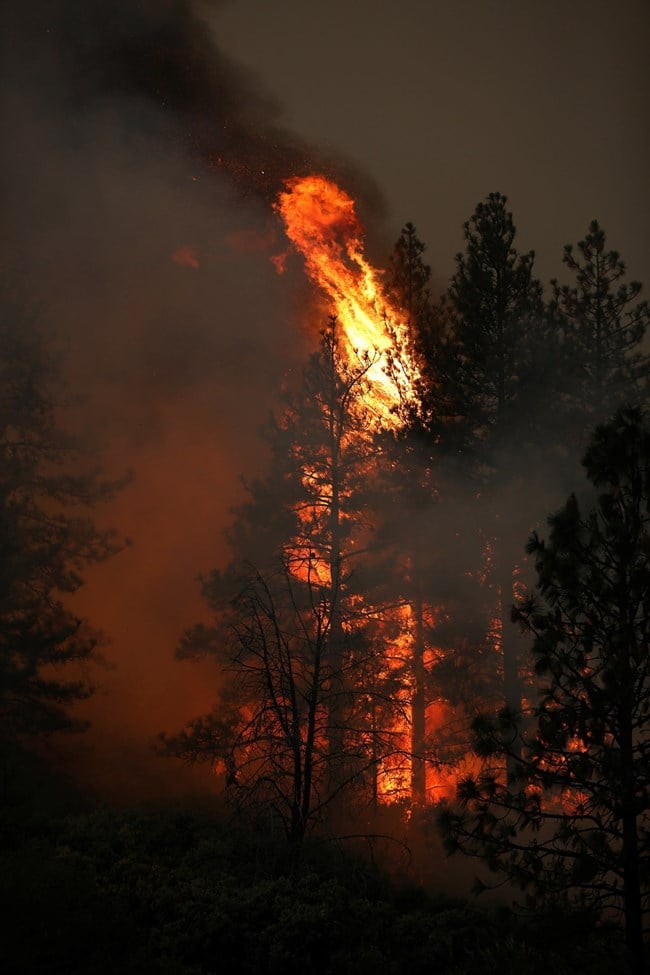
x: 185, y: 256
x: 321, y: 222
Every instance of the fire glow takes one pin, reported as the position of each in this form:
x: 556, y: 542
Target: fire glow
x: 321, y: 222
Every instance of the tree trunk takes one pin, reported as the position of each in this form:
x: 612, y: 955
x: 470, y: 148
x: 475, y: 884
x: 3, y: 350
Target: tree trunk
x: 418, y: 706
x: 631, y: 877
x: 335, y: 642
x: 632, y: 886
x: 511, y: 682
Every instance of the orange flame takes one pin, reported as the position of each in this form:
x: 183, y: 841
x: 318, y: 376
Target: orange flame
x: 321, y: 222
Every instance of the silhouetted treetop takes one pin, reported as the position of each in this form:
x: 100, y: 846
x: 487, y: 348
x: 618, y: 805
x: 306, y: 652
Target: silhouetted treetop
x: 573, y: 813
x: 47, y: 536
x: 605, y: 326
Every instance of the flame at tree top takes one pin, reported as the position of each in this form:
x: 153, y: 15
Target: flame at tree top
x: 321, y: 222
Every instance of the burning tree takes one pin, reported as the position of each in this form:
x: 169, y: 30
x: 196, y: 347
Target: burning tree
x: 274, y: 730
x: 470, y: 397
x: 409, y: 480
x: 306, y: 710
x: 391, y: 320
x: 575, y: 811
x: 46, y: 535
x: 317, y: 528
x: 321, y: 222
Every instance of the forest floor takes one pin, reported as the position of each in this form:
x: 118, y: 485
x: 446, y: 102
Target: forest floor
x: 87, y: 889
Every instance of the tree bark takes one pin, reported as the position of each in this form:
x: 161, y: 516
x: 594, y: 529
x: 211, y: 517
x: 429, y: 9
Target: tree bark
x: 418, y: 709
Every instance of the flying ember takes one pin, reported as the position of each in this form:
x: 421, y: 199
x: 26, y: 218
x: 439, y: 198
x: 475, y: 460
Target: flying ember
x: 321, y: 222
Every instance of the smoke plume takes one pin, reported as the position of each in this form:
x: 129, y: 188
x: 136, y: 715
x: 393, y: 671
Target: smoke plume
x: 138, y: 167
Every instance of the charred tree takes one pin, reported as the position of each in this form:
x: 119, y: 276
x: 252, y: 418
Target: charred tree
x: 269, y: 731
x: 303, y: 720
x: 330, y: 458
x: 407, y: 285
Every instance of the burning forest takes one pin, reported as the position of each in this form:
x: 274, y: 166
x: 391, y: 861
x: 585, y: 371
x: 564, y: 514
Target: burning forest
x: 276, y: 542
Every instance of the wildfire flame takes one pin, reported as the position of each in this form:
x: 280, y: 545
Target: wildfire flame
x: 321, y: 222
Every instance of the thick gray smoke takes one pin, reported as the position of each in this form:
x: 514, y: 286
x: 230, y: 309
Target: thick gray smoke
x: 138, y: 167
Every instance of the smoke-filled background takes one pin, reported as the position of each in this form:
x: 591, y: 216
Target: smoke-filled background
x: 143, y: 143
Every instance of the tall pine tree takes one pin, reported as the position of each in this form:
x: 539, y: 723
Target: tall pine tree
x: 574, y: 813
x: 605, y: 326
x: 47, y: 536
x: 407, y: 288
x: 494, y: 313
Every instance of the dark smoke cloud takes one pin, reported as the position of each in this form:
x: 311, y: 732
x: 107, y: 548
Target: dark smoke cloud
x: 160, y: 61
x: 137, y: 169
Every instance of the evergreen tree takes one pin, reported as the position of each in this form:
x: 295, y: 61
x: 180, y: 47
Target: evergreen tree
x: 421, y: 492
x: 497, y: 333
x: 425, y: 406
x: 411, y: 490
x: 574, y: 812
x: 407, y: 288
x: 46, y: 535
x: 605, y: 326
x: 492, y: 295
x: 493, y: 308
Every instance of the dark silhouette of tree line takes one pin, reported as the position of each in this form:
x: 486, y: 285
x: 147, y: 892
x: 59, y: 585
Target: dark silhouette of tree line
x: 48, y: 485
x: 375, y: 573
x: 560, y: 803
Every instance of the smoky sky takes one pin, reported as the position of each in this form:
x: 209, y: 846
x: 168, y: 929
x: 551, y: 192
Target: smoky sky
x: 160, y: 64
x: 133, y: 142
x: 138, y: 164
x: 446, y: 102
x: 138, y: 167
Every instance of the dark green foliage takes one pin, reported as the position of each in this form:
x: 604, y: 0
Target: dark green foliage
x: 46, y: 534
x: 174, y: 893
x: 496, y: 329
x: 604, y: 326
x: 407, y: 282
x: 498, y: 338
x: 574, y: 815
x: 407, y: 288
